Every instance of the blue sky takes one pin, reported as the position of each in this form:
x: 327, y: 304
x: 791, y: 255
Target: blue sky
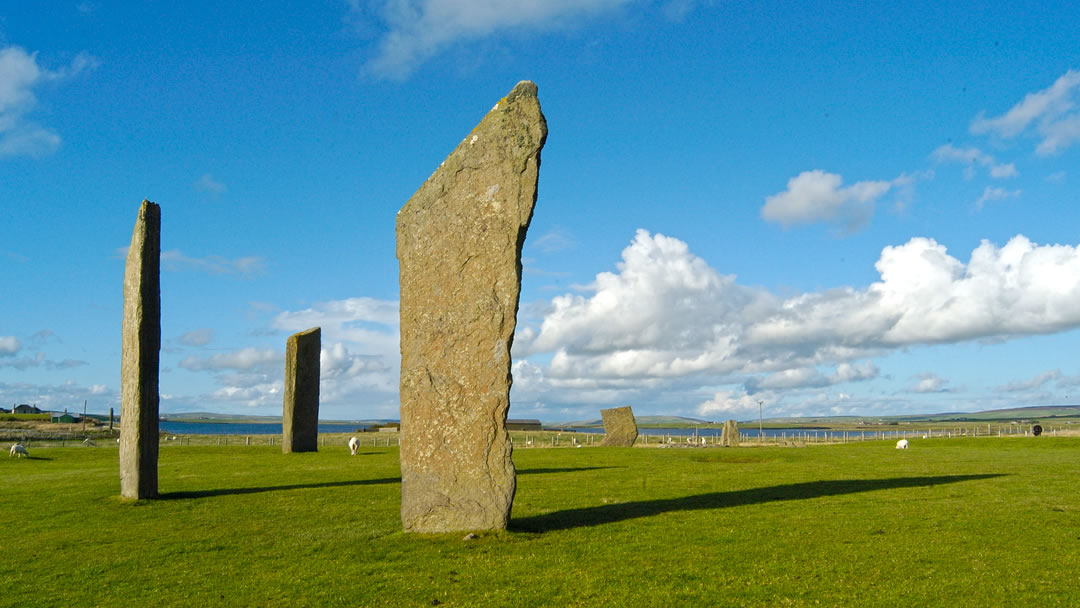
x: 828, y: 209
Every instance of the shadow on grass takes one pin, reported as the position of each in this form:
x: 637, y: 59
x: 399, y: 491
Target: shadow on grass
x: 257, y: 490
x: 566, y: 470
x: 604, y: 514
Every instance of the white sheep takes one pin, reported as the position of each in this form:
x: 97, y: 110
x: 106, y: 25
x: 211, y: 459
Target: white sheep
x: 17, y: 449
x: 902, y: 444
x: 354, y: 445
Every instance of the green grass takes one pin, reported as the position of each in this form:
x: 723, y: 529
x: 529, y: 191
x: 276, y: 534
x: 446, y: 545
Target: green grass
x: 960, y: 522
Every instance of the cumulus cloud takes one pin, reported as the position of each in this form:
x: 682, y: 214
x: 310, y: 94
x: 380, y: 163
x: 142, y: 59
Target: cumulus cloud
x: 817, y: 196
x: 728, y: 404
x: 1050, y: 114
x: 20, y: 76
x: 666, y: 317
x: 993, y: 193
x: 197, y: 337
x: 243, y: 359
x: 207, y: 183
x: 416, y: 30
x: 9, y: 345
x: 972, y: 156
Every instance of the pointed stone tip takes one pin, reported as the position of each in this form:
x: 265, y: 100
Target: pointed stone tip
x: 525, y: 88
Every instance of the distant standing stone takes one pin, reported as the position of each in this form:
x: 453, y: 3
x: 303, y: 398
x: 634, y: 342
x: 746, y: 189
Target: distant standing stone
x: 300, y: 408
x: 140, y: 349
x: 459, y: 242
x: 620, y: 428
x: 729, y: 437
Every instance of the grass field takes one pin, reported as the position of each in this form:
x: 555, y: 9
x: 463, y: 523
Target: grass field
x: 960, y: 522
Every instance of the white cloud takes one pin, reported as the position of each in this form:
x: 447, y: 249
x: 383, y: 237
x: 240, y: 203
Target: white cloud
x: 972, y: 156
x: 817, y: 196
x: 666, y: 320
x: 197, y: 337
x: 56, y: 397
x: 811, y: 377
x: 729, y: 404
x: 366, y: 321
x: 207, y: 183
x: 416, y: 30
x: 243, y: 359
x: 174, y: 259
x: 9, y: 345
x: 992, y: 193
x: 1051, y: 113
x: 1031, y: 384
x: 20, y: 75
x: 928, y: 382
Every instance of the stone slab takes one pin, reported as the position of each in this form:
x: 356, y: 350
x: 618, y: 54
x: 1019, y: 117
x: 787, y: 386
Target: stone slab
x: 300, y: 405
x: 140, y: 352
x: 620, y: 427
x: 459, y: 241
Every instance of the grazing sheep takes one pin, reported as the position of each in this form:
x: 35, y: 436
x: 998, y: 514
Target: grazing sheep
x: 354, y: 444
x: 17, y: 449
x: 902, y: 444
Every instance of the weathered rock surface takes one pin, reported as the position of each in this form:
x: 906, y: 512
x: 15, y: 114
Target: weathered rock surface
x: 729, y: 437
x: 620, y: 428
x: 300, y: 406
x: 140, y: 350
x: 459, y: 242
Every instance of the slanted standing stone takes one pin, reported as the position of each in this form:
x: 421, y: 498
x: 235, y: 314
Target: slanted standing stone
x: 620, y: 428
x: 729, y: 437
x: 459, y: 242
x: 141, y: 345
x: 300, y: 411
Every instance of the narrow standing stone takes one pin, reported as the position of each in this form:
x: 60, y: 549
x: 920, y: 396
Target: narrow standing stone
x: 459, y: 242
x: 300, y: 415
x: 620, y: 428
x: 729, y: 437
x: 141, y: 346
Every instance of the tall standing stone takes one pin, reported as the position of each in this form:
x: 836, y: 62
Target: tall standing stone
x: 729, y: 437
x: 300, y: 411
x: 620, y: 427
x: 141, y: 345
x: 459, y: 242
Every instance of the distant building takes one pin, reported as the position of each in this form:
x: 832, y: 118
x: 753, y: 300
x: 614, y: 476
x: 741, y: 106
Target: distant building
x: 522, y: 424
x: 27, y: 409
x: 65, y: 417
x: 4, y: 410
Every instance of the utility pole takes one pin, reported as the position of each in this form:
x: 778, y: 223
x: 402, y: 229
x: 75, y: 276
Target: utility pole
x: 760, y: 427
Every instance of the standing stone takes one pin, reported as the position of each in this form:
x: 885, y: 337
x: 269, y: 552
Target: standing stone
x: 141, y: 345
x: 459, y: 242
x: 620, y: 428
x: 729, y: 437
x: 300, y: 414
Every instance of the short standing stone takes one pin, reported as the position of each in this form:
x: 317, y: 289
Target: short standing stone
x: 620, y: 428
x: 459, y: 242
x: 140, y: 349
x: 729, y: 437
x: 300, y: 409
